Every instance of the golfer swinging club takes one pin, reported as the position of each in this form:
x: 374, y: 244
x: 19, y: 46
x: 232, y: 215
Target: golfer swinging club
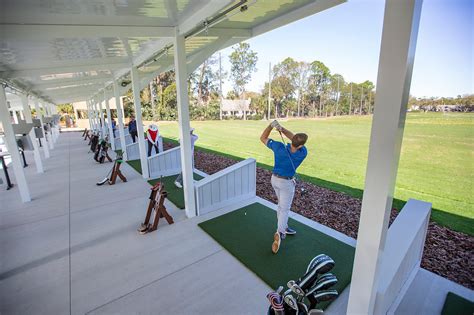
x: 287, y: 160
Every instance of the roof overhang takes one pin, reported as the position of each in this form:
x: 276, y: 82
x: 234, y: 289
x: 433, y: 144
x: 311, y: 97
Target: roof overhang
x: 63, y: 51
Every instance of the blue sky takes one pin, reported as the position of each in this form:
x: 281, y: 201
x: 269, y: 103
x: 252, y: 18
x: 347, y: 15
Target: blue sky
x: 347, y: 39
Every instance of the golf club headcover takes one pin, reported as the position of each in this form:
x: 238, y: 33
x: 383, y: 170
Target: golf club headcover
x: 318, y: 265
x: 322, y: 296
x: 324, y: 282
x: 276, y: 303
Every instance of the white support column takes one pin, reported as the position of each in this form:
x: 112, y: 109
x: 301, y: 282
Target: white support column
x: 54, y: 134
x: 96, y: 114
x: 49, y: 134
x: 13, y: 148
x: 93, y: 114
x: 399, y: 36
x: 138, y: 118
x: 102, y: 121
x: 76, y: 113
x: 15, y: 117
x: 109, y: 120
x: 39, y: 116
x: 31, y: 134
x: 184, y: 126
x: 118, y: 105
x: 89, y: 114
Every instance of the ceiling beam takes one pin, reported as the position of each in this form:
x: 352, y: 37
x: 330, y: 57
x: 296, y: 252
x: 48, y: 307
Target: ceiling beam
x: 234, y: 32
x: 65, y: 69
x: 204, y: 12
x: 20, y: 32
x: 79, y: 80
x: 78, y: 62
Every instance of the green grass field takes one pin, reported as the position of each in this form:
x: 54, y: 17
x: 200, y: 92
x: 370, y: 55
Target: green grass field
x: 437, y: 161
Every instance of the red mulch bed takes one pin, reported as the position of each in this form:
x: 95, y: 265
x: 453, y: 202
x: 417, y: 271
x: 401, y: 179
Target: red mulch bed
x: 447, y: 253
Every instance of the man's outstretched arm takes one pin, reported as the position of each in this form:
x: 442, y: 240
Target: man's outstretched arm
x: 287, y: 133
x: 265, y: 134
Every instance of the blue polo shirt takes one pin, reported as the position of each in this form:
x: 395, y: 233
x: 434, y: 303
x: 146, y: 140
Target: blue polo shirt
x: 282, y: 154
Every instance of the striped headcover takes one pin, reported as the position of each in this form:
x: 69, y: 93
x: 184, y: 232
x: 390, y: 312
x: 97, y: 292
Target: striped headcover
x: 275, y: 301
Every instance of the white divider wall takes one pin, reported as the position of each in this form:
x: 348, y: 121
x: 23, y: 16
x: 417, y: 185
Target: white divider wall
x: 233, y: 184
x: 166, y: 163
x: 402, y: 254
x: 118, y: 145
x: 133, y: 151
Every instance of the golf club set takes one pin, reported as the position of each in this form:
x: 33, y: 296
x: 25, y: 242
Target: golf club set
x: 314, y: 286
x: 97, y: 146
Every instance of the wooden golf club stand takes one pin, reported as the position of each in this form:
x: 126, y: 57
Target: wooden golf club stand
x: 116, y: 172
x: 157, y: 200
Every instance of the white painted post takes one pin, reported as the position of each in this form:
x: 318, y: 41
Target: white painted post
x: 89, y: 114
x: 138, y: 118
x: 93, y: 114
x: 96, y: 114
x: 54, y: 135
x: 118, y: 105
x: 102, y: 121
x: 76, y: 113
x: 399, y: 36
x: 13, y: 148
x: 109, y: 120
x: 184, y: 126
x: 39, y: 116
x: 49, y: 134
x: 31, y: 134
x: 15, y: 117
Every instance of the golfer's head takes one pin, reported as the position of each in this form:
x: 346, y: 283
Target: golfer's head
x: 132, y: 117
x: 299, y: 140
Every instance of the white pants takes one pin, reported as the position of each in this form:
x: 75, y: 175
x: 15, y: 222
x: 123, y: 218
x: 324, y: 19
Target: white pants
x: 285, y: 191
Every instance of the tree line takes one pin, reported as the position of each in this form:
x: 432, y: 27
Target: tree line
x: 294, y: 89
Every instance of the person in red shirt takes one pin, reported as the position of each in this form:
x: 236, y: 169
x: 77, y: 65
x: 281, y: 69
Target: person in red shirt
x: 152, y: 135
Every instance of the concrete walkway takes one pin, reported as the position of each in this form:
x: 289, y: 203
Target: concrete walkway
x: 75, y: 249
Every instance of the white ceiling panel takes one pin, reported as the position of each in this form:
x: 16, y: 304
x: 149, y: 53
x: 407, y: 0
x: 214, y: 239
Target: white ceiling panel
x: 69, y: 49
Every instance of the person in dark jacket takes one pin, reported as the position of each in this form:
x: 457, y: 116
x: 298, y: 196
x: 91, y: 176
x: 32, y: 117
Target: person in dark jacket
x: 132, y: 128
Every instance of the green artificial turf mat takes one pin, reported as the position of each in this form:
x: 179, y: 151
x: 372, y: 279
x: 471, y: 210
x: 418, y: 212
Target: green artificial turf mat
x: 456, y: 305
x: 247, y: 233
x: 136, y: 165
x: 175, y: 194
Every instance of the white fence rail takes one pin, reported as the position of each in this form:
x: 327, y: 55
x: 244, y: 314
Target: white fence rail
x: 233, y: 184
x: 118, y: 145
x: 133, y: 151
x: 166, y: 163
x: 402, y: 254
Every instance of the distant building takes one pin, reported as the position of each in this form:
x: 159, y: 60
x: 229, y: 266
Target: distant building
x: 235, y: 107
x: 442, y: 108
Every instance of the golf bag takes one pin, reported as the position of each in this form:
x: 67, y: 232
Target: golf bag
x: 94, y: 142
x: 101, y: 152
x: 312, y: 287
